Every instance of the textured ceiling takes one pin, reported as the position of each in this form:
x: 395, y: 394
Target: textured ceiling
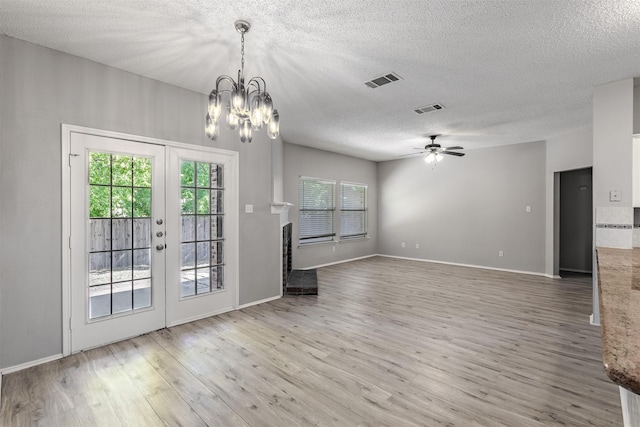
x: 507, y: 71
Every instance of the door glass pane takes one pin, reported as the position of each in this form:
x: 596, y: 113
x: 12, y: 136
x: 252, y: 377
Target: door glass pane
x: 121, y: 233
x: 202, y: 233
x: 142, y: 293
x: 100, y: 235
x: 121, y: 266
x: 188, y: 228
x: 121, y: 202
x: 119, y: 244
x: 142, y: 233
x: 122, y: 297
x: 122, y: 171
x: 188, y: 283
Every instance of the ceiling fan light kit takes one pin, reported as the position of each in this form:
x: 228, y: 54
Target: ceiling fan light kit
x: 435, y: 151
x: 249, y: 106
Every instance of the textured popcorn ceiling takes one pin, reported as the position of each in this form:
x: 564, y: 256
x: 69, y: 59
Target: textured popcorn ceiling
x: 507, y: 71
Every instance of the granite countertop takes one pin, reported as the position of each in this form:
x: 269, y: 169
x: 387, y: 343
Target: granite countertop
x: 619, y: 290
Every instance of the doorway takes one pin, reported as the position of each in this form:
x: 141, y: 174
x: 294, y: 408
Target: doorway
x: 152, y: 235
x: 575, y: 223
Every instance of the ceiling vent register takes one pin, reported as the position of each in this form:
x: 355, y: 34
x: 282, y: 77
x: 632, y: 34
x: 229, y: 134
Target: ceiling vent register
x: 429, y: 108
x: 383, y: 80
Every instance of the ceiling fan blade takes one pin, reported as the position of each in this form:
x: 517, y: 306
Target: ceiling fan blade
x: 452, y: 153
x: 412, y: 154
x: 457, y: 147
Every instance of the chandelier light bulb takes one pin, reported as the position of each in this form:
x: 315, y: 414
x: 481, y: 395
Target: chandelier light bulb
x: 211, y: 129
x: 267, y: 107
x: 274, y: 125
x: 438, y: 157
x: 233, y: 121
x: 249, y: 105
x: 429, y: 158
x: 215, y: 105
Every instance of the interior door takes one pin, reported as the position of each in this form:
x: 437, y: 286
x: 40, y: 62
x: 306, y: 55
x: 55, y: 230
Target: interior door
x: 117, y: 223
x: 202, y: 266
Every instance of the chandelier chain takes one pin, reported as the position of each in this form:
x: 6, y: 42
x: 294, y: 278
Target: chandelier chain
x: 242, y: 51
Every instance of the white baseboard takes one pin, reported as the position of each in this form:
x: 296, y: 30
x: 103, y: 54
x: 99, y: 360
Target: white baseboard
x: 337, y: 262
x: 26, y: 365
x: 532, y: 273
x: 249, y: 304
x: 591, y: 322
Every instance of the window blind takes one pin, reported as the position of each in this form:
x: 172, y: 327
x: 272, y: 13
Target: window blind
x: 317, y: 209
x: 353, y: 211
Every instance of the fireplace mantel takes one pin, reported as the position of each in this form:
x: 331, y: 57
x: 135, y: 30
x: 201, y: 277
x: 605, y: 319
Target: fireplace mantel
x: 278, y: 207
x: 282, y: 209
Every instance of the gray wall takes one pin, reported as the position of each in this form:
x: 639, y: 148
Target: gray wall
x: 466, y: 209
x: 305, y: 161
x: 42, y: 88
x: 612, y: 143
x: 576, y: 221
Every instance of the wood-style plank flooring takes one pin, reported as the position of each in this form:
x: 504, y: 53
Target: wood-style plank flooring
x: 387, y: 342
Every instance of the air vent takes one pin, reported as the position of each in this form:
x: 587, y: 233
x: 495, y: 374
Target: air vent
x: 383, y: 80
x: 428, y: 108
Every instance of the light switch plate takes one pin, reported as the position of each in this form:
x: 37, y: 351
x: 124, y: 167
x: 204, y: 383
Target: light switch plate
x: 248, y: 208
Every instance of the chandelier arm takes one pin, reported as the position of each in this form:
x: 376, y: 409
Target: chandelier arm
x: 257, y: 81
x: 225, y: 78
x: 255, y: 86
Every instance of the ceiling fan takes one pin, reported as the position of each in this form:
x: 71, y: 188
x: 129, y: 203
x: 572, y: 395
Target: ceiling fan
x: 435, y: 151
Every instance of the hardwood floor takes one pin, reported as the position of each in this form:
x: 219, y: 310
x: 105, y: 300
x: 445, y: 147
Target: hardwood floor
x: 387, y: 342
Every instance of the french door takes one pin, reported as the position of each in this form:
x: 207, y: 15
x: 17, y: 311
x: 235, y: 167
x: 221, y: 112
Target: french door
x: 153, y: 237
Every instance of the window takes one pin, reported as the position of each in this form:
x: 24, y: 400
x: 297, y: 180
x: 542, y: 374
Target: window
x: 317, y: 209
x: 353, y: 211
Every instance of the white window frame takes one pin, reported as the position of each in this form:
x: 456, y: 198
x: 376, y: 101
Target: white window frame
x: 329, y: 237
x: 365, y: 210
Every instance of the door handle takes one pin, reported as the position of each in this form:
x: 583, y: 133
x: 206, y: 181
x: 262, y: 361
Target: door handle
x: 160, y: 247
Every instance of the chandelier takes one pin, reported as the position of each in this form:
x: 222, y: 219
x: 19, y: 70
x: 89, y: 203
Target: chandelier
x: 248, y: 107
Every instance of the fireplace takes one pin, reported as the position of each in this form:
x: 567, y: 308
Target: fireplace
x: 287, y: 261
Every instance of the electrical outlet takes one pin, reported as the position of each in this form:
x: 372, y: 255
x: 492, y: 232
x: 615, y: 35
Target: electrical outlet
x: 527, y: 209
x: 615, y: 196
x: 402, y: 244
x: 417, y: 245
x: 334, y: 248
x: 500, y: 253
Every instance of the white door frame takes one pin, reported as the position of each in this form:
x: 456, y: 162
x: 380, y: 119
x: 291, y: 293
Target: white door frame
x: 232, y: 252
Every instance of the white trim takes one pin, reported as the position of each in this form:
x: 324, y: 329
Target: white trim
x: 249, y: 304
x: 591, y: 322
x: 65, y: 141
x: 339, y: 262
x: 532, y: 273
x: 20, y: 367
x: 354, y: 239
x: 202, y: 316
x: 552, y: 276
